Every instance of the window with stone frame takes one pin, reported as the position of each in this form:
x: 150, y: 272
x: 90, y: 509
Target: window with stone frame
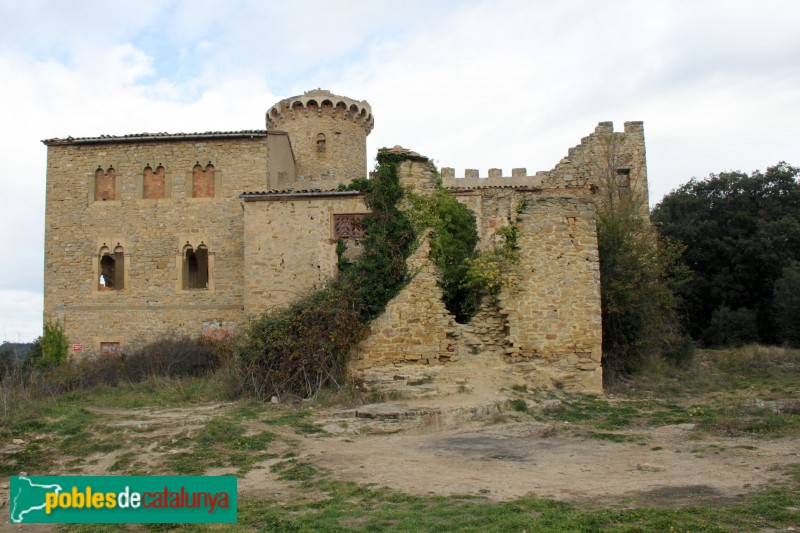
x: 112, y: 269
x: 624, y: 180
x: 203, y: 181
x: 105, y: 184
x: 195, y: 267
x: 153, y: 183
x: 348, y: 233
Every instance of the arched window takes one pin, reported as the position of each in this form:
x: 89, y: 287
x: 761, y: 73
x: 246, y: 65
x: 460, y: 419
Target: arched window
x: 105, y: 184
x: 195, y: 267
x: 153, y: 186
x: 112, y: 269
x: 203, y: 181
x: 321, y: 143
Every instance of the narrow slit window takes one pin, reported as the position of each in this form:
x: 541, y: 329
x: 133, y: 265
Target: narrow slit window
x: 321, y: 143
x: 624, y: 180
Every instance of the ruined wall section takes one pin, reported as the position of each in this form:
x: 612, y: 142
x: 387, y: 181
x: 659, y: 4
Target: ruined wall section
x: 151, y: 233
x: 546, y: 327
x: 602, y: 158
x: 290, y: 245
x: 553, y: 309
x: 415, y: 328
x: 328, y: 135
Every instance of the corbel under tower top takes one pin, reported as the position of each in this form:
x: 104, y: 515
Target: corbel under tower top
x: 328, y: 134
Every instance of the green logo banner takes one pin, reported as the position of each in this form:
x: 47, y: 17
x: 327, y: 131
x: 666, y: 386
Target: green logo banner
x: 122, y: 499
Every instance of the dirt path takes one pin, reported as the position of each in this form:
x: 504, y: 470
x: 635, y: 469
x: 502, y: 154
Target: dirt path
x: 511, y: 460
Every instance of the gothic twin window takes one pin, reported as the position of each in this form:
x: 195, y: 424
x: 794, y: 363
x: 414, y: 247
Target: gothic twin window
x: 203, y: 181
x: 195, y: 267
x: 105, y: 184
x: 112, y: 269
x: 153, y: 183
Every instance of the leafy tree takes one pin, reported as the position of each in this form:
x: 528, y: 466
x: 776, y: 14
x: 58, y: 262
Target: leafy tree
x: 787, y: 304
x: 639, y: 275
x: 740, y: 232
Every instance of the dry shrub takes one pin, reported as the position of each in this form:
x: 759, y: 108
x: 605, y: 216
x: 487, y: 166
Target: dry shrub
x: 301, y: 348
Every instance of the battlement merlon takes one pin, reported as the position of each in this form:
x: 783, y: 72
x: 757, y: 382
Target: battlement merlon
x: 586, y: 165
x: 321, y: 101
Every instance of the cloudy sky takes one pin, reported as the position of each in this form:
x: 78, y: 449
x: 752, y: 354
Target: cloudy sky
x: 472, y: 84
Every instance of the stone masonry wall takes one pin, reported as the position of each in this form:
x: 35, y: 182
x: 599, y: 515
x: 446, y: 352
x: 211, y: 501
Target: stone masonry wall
x: 416, y: 328
x: 152, y: 233
x: 598, y: 158
x: 289, y: 246
x: 553, y: 309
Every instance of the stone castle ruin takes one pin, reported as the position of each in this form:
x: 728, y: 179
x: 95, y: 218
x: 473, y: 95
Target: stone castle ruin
x: 159, y: 234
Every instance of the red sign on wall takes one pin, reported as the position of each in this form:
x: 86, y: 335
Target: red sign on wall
x: 77, y: 347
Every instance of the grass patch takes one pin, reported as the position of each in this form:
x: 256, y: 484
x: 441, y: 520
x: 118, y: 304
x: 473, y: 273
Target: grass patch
x: 297, y: 419
x: 221, y: 443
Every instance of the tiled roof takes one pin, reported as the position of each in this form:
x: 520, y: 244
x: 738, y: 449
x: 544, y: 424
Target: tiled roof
x: 274, y: 193
x: 144, y: 137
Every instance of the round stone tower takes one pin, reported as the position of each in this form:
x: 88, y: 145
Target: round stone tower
x: 328, y: 134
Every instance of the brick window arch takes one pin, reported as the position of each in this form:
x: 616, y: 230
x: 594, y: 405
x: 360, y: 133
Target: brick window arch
x: 105, y: 184
x: 203, y: 181
x: 153, y: 182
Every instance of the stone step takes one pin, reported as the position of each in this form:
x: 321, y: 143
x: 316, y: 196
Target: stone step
x: 386, y: 418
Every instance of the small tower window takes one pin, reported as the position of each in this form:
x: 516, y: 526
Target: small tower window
x: 195, y: 267
x: 624, y: 180
x: 321, y: 143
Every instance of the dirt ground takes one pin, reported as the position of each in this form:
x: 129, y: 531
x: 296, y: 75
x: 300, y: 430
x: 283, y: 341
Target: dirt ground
x: 506, y: 461
x: 462, y: 440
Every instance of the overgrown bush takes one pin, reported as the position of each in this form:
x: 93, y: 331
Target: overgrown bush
x: 491, y: 270
x: 300, y: 348
x: 165, y: 358
x: 453, y: 241
x: 639, y: 276
x: 54, y: 346
x: 381, y: 271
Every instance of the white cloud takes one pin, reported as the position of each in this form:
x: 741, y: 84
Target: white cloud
x: 473, y: 84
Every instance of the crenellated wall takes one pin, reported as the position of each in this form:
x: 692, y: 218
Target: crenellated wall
x: 601, y: 159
